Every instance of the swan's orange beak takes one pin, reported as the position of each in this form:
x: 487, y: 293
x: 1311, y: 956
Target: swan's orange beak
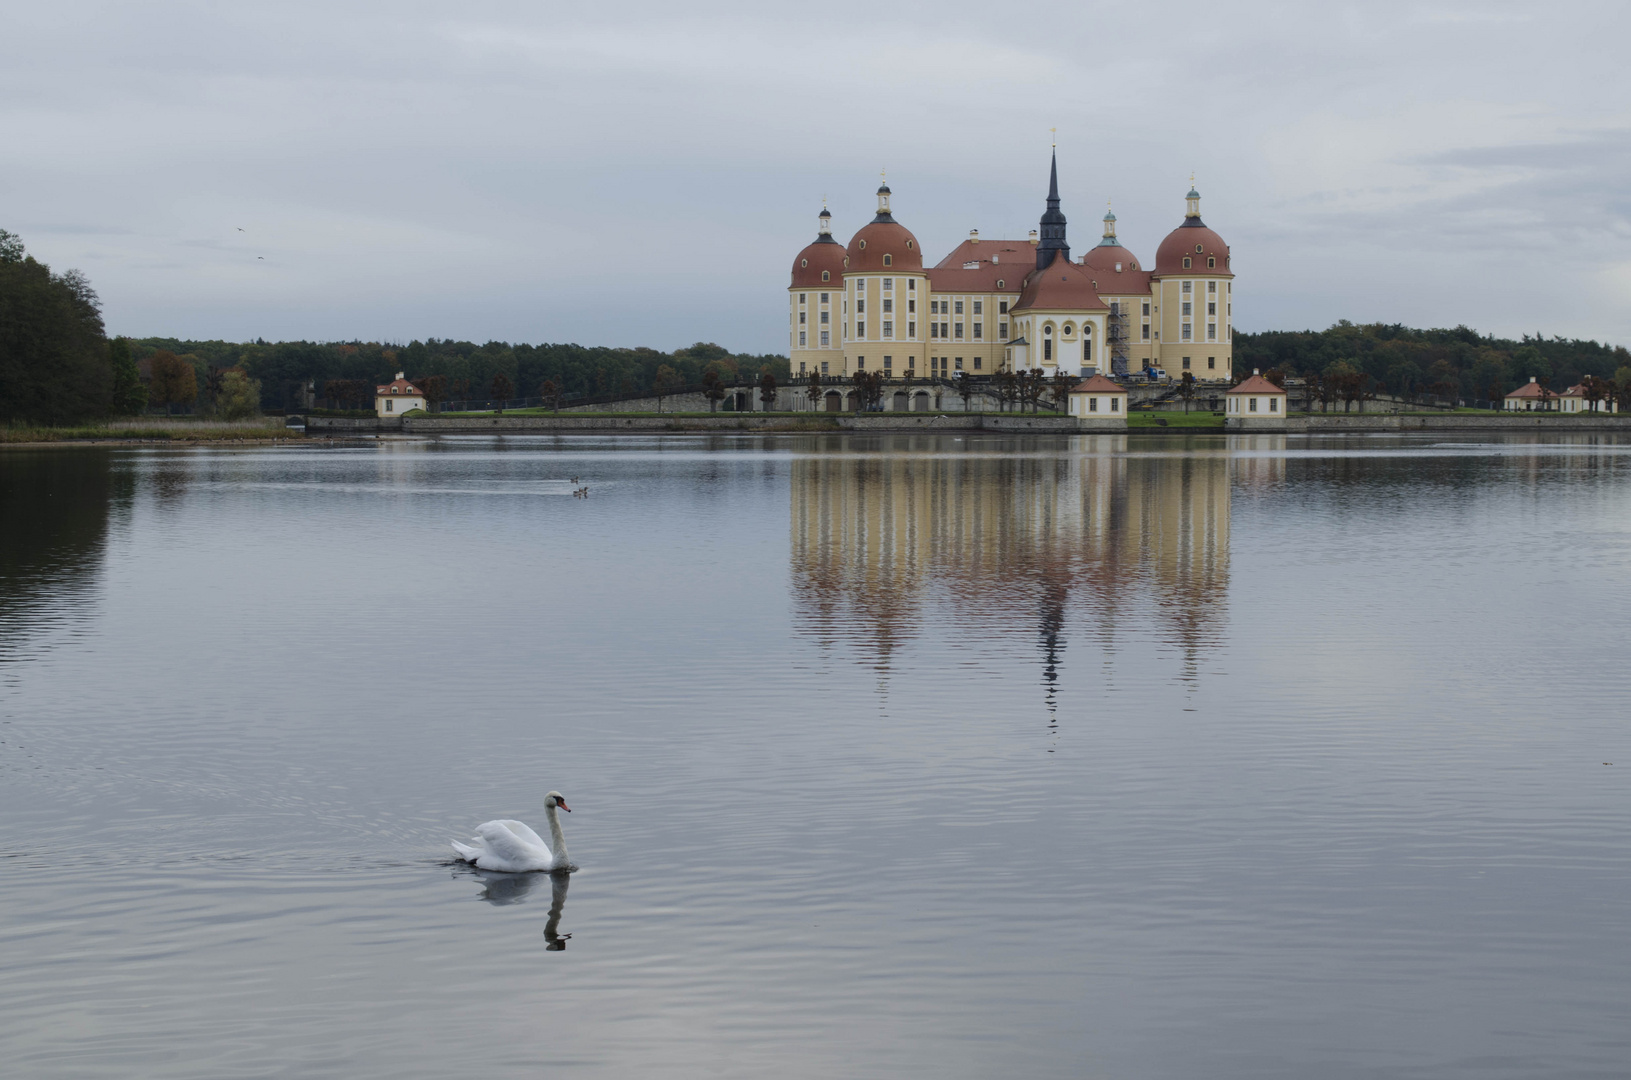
x: 563, y: 806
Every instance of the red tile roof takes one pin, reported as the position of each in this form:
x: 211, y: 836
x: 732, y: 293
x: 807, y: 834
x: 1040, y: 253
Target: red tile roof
x: 1531, y: 390
x: 1098, y: 384
x: 1063, y: 286
x: 398, y: 386
x: 1257, y: 385
x: 1101, y: 263
x: 877, y: 239
x: 828, y: 255
x: 1182, y: 241
x: 1007, y: 261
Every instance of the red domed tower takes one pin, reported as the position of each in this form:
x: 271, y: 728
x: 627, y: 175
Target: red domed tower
x: 1194, y: 284
x: 884, y: 284
x: 815, y: 304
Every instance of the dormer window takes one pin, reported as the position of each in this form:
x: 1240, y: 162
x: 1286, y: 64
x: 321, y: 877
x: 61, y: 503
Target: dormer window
x: 886, y: 260
x: 1211, y: 261
x: 1197, y: 249
x: 826, y: 275
x: 1186, y: 262
x: 803, y: 263
x: 863, y: 245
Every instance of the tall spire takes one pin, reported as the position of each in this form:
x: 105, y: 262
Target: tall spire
x: 1053, y: 222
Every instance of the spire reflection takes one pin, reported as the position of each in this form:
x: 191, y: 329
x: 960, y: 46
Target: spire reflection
x: 994, y: 545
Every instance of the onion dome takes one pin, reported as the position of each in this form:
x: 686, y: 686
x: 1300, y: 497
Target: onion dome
x: 824, y: 254
x: 883, y: 243
x: 1060, y: 286
x: 1193, y: 241
x: 1113, y: 259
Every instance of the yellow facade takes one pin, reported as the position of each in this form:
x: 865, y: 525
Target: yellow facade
x: 876, y: 538
x: 963, y: 314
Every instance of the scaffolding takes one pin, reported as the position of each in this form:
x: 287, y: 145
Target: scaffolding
x: 1120, y: 334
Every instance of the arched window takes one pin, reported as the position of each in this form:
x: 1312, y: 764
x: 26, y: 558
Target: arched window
x: 826, y: 275
x: 887, y: 261
x: 1211, y: 261
x: 999, y: 283
x: 1186, y: 262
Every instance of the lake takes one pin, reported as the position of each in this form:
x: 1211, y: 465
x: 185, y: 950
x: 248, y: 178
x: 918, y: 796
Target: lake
x: 889, y: 756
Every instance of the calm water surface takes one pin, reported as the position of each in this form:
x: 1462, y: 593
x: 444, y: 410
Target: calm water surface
x: 1245, y: 757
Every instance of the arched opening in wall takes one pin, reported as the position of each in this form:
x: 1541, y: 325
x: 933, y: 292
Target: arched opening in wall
x: 835, y: 401
x: 852, y: 402
x: 739, y: 402
x: 920, y: 401
x: 898, y: 402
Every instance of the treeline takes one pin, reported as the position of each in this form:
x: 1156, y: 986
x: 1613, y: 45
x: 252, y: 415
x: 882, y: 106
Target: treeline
x: 56, y: 366
x: 1448, y: 364
x: 344, y: 374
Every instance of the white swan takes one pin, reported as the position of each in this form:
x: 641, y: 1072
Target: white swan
x: 512, y: 848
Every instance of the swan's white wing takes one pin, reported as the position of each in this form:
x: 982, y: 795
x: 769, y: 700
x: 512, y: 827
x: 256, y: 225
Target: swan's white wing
x: 468, y: 853
x: 520, y: 829
x: 507, y: 851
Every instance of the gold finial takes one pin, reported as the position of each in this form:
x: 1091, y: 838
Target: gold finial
x: 883, y: 174
x: 1192, y: 178
x: 823, y: 202
x: 1055, y: 132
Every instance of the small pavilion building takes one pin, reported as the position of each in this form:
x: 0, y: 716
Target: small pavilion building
x: 1256, y: 404
x: 1531, y: 397
x: 1574, y: 400
x: 397, y: 397
x: 1099, y: 402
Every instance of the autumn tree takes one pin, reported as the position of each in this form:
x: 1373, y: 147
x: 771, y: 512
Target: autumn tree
x: 1063, y: 383
x: 1186, y: 389
x: 434, y: 387
x: 713, y: 388
x: 666, y: 382
x: 551, y: 394
x: 173, y: 380
x: 767, y: 388
x: 239, y: 396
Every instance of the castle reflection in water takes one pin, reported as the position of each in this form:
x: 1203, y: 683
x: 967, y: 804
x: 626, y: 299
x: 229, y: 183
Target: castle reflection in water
x: 1002, y: 546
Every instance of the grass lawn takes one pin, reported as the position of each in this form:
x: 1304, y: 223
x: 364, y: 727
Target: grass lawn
x: 1200, y: 419
x: 156, y: 429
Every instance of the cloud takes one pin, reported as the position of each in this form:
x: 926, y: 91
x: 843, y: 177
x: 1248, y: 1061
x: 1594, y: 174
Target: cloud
x: 644, y: 174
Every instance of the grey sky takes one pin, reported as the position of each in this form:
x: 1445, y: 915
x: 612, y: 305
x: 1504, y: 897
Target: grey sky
x: 643, y: 174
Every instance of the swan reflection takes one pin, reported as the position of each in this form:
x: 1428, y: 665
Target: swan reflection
x: 501, y: 890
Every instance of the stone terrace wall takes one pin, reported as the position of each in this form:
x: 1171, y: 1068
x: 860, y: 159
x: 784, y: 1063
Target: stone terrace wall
x: 1340, y: 423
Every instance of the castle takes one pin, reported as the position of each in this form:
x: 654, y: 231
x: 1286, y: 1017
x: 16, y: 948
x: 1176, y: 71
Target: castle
x: 1010, y: 305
